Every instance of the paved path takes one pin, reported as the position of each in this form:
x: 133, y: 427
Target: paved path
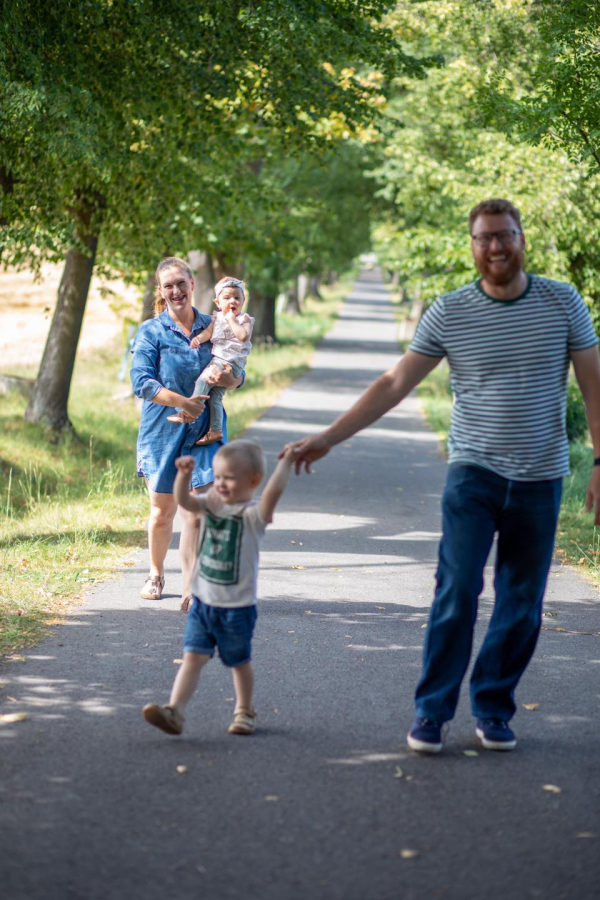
x: 322, y: 801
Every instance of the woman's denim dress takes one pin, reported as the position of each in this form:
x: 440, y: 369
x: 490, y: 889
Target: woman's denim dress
x: 162, y: 357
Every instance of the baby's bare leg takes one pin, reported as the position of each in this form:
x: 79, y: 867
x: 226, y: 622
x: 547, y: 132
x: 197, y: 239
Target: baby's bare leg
x: 186, y: 680
x: 243, y: 683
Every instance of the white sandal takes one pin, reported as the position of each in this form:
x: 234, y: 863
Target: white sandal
x: 154, y: 592
x: 244, y: 722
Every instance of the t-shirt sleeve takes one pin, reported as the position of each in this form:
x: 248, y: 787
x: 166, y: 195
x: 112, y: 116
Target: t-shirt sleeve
x: 581, y: 330
x: 429, y: 337
x: 254, y: 520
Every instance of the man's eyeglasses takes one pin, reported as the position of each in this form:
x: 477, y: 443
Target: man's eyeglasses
x: 503, y: 237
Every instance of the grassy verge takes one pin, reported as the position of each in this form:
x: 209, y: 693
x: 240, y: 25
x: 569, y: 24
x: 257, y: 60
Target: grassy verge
x: 70, y: 513
x: 577, y: 541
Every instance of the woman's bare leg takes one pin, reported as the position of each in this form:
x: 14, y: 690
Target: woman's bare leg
x: 160, y: 529
x: 188, y: 543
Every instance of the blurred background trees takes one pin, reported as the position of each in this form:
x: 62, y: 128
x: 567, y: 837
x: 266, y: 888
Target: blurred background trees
x: 279, y: 141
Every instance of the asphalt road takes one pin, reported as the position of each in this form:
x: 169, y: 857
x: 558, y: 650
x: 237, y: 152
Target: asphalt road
x: 325, y: 801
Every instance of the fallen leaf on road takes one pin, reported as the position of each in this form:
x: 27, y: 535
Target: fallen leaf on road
x: 297, y: 567
x: 177, y: 662
x: 336, y: 570
x: 587, y: 834
x: 550, y: 615
x: 409, y: 777
x: 272, y: 797
x: 552, y: 788
x: 470, y: 753
x: 9, y: 718
x: 293, y: 542
x: 182, y: 770
x: 409, y: 854
x: 424, y: 626
x: 399, y: 772
x: 380, y: 607
x: 307, y: 612
x: 530, y: 705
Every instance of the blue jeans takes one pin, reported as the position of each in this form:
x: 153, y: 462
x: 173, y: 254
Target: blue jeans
x: 476, y: 504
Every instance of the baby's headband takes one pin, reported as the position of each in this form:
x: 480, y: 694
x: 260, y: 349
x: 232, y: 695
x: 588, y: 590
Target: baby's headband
x: 234, y: 283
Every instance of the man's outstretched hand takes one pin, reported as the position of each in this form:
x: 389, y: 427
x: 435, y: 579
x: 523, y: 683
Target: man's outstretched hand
x: 307, y: 451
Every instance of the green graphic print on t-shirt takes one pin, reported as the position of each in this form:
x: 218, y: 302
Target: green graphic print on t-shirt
x: 219, y: 553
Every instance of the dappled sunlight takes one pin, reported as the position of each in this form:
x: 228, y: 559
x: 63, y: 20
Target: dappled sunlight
x: 287, y: 427
x: 566, y: 719
x: 316, y: 521
x: 365, y: 757
x: 363, y: 648
x: 409, y: 536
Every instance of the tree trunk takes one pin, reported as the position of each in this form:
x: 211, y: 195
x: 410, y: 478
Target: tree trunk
x: 292, y: 305
x: 313, y: 288
x: 263, y: 310
x: 148, y: 299
x: 302, y: 289
x: 223, y: 266
x: 50, y: 395
x: 204, y: 280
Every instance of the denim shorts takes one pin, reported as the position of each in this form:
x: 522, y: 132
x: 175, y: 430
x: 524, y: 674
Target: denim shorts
x: 230, y: 630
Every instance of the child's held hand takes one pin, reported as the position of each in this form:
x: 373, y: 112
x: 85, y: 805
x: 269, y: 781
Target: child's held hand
x: 196, y: 342
x: 185, y: 465
x: 291, y: 452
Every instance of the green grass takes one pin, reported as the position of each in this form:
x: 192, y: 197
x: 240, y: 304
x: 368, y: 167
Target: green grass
x: 70, y: 513
x: 577, y: 541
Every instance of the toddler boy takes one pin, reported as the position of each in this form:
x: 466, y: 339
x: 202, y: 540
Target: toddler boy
x: 225, y: 576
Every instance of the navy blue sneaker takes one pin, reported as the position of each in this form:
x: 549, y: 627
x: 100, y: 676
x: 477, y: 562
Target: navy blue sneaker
x: 495, y: 734
x: 425, y: 736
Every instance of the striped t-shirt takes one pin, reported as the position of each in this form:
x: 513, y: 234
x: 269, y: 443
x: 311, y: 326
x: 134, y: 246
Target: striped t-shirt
x: 509, y: 362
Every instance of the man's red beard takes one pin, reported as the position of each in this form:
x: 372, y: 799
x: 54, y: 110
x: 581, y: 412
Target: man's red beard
x: 505, y: 274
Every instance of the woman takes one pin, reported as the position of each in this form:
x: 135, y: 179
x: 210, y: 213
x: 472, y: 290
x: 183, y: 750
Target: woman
x: 163, y: 373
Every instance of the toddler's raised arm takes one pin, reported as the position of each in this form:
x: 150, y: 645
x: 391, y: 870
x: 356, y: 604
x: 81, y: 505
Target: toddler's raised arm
x: 277, y: 483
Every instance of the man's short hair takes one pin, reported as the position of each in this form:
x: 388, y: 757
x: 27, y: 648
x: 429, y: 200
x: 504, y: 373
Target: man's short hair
x: 245, y: 454
x: 495, y: 207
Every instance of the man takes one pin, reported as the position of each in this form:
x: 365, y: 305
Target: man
x: 508, y: 339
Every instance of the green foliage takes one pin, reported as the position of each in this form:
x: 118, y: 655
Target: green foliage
x: 153, y: 112
x: 576, y: 421
x: 562, y: 107
x: 439, y: 159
